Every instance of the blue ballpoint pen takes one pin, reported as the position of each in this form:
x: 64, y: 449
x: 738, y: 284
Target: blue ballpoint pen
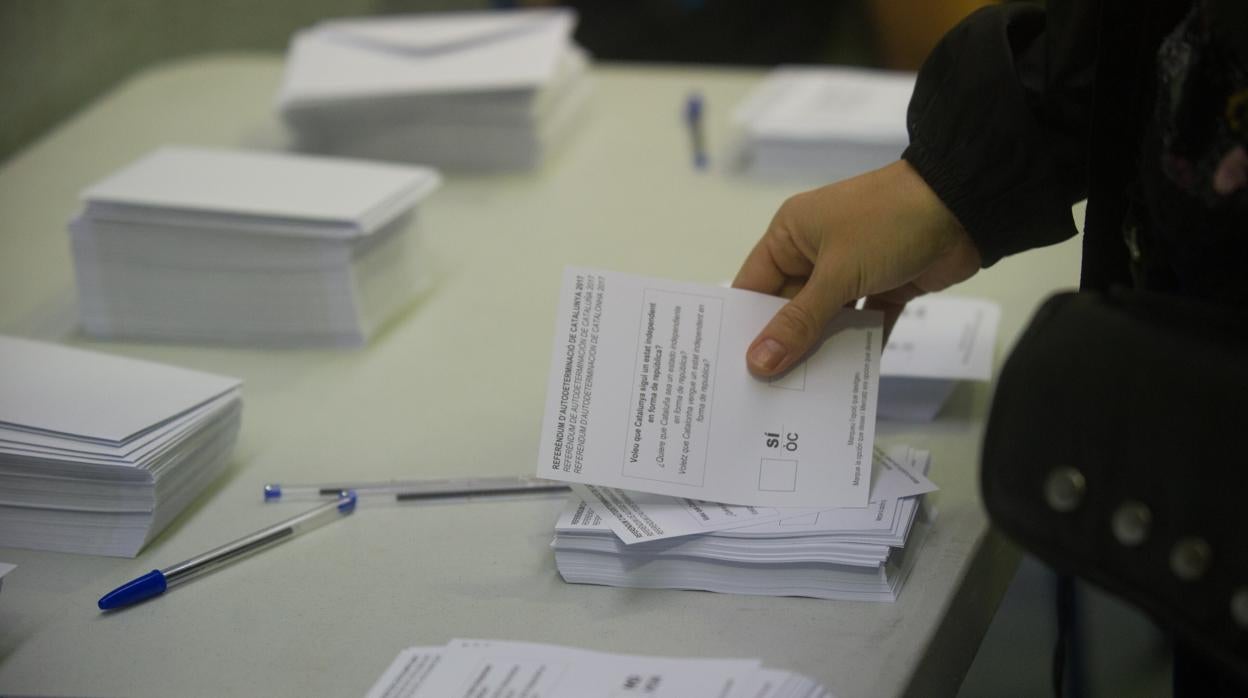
x: 156, y: 582
x: 693, y: 116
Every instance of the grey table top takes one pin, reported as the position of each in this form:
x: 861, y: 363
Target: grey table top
x: 455, y: 388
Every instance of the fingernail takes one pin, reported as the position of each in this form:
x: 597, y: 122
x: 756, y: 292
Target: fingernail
x: 767, y: 354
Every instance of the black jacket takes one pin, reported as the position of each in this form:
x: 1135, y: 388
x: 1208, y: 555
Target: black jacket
x: 1112, y: 448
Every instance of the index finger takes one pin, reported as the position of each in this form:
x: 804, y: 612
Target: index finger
x: 760, y: 272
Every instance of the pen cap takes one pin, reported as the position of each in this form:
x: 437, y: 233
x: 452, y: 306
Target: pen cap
x: 693, y: 106
x: 329, y: 511
x: 346, y: 505
x: 151, y: 584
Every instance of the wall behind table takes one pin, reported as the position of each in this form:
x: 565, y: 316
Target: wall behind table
x: 56, y: 56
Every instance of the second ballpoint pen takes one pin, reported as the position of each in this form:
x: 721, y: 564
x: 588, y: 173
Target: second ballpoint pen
x: 414, y: 490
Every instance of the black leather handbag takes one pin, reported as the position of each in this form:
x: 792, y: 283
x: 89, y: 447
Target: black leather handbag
x: 1116, y: 451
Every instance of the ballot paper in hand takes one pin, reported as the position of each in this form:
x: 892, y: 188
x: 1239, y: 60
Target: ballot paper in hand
x: 648, y: 391
x: 938, y: 341
x: 498, y: 668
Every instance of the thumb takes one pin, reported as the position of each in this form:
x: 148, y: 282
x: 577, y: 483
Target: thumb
x: 794, y: 329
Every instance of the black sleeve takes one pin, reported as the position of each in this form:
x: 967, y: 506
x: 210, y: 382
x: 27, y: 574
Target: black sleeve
x: 999, y: 119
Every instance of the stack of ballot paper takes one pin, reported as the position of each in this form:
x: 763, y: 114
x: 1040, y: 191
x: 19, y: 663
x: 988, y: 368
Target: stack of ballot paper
x: 523, y: 669
x: 652, y: 541
x: 691, y: 473
x: 938, y: 341
x: 480, y: 91
x: 98, y: 453
x: 193, y: 244
x: 823, y: 124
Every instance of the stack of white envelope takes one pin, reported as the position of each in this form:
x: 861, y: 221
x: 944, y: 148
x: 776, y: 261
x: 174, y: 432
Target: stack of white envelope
x: 221, y: 246
x: 938, y: 341
x: 98, y: 453
x: 502, y: 668
x: 823, y: 124
x: 476, y: 91
x: 862, y: 554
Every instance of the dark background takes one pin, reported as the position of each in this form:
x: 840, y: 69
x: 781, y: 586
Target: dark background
x: 58, y: 55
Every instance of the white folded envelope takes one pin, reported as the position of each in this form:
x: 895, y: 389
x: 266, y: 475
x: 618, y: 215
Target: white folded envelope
x: 94, y: 397
x: 434, y: 54
x: 258, y: 191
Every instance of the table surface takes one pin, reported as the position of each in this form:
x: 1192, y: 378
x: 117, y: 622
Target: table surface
x: 455, y: 387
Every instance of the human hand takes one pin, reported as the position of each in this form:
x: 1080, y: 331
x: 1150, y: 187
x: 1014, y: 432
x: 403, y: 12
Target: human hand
x: 883, y: 235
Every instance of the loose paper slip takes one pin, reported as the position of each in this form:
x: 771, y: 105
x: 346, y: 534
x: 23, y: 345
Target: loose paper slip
x: 636, y: 517
x: 5, y: 568
x: 648, y: 391
x: 497, y: 668
x: 938, y: 341
x: 943, y: 337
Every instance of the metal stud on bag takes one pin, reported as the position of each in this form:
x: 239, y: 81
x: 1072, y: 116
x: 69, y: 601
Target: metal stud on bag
x: 1064, y: 488
x: 1190, y: 558
x: 1239, y: 607
x: 1131, y: 523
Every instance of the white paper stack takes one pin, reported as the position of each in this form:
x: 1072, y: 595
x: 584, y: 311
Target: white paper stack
x: 477, y: 91
x: 822, y: 124
x: 862, y: 554
x: 98, y: 453
x: 938, y: 341
x: 220, y: 246
x: 499, y: 668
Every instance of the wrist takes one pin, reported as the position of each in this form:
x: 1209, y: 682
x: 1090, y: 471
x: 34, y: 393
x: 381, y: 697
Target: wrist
x: 929, y: 212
